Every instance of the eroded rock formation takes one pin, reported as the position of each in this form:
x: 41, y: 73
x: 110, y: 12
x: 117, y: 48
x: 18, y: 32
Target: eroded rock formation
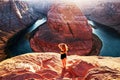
x: 67, y: 24
x: 14, y: 16
x: 48, y: 66
x: 105, y: 12
x: 103, y: 73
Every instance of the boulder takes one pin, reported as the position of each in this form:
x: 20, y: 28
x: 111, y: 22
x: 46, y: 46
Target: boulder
x: 67, y: 24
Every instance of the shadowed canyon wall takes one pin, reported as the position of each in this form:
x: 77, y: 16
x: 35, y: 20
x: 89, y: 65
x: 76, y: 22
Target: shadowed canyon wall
x: 14, y: 16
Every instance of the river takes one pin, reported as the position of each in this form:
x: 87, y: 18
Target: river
x: 110, y: 39
x: 19, y: 44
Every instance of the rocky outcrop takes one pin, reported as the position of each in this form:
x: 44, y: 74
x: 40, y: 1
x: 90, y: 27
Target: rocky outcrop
x: 67, y: 24
x: 97, y: 45
x: 102, y: 11
x: 105, y: 12
x: 103, y: 73
x: 68, y: 20
x: 48, y: 66
x: 24, y: 67
x: 14, y: 16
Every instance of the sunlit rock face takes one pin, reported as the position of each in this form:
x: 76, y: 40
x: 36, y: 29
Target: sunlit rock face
x: 14, y: 16
x: 102, y: 11
x: 40, y: 66
x: 67, y: 24
x: 31, y: 66
x: 68, y: 21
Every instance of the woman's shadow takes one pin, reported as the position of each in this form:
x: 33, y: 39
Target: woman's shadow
x: 64, y: 72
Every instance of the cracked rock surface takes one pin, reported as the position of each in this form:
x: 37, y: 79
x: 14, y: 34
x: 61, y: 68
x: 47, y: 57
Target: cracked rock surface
x: 67, y: 24
x: 43, y: 66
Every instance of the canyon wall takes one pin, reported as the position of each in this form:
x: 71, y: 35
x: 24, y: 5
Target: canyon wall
x: 14, y: 16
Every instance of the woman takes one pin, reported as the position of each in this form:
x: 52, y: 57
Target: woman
x: 64, y: 48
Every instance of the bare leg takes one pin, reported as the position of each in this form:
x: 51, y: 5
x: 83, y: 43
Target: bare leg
x: 64, y: 63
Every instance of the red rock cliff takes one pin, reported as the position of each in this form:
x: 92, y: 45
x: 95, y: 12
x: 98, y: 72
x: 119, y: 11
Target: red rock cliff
x: 67, y: 24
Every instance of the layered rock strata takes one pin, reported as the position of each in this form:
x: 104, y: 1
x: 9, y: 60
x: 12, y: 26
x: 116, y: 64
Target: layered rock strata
x: 48, y: 66
x: 14, y: 16
x: 67, y: 24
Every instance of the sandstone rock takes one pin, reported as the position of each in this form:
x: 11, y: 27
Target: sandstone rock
x: 79, y: 69
x: 30, y: 66
x: 102, y: 11
x: 67, y: 24
x: 16, y: 13
x: 105, y: 12
x: 97, y: 45
x: 66, y: 19
x: 41, y: 66
x: 14, y: 16
x: 43, y: 6
x: 103, y: 73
